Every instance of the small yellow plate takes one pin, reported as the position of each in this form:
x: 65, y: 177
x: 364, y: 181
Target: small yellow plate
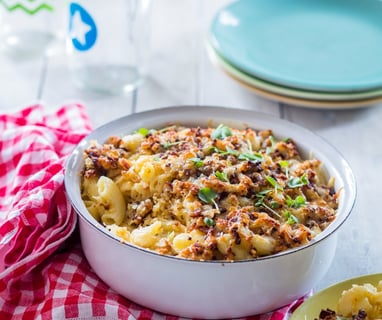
x: 328, y: 297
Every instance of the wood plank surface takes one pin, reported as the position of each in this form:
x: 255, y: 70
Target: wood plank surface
x: 181, y: 73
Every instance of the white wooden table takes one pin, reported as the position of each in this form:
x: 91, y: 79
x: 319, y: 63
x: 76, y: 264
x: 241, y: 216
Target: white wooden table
x: 181, y: 74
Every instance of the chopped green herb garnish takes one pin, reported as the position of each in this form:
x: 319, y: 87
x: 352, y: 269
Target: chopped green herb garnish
x: 273, y: 182
x: 230, y: 151
x: 250, y: 156
x: 167, y: 145
x: 225, y: 152
x: 264, y: 192
x: 291, y: 219
x: 208, y: 221
x: 222, y: 176
x: 143, y: 131
x: 271, y: 210
x: 240, y: 156
x: 298, y: 181
x: 221, y: 132
x: 207, y: 195
x: 261, y: 196
x: 289, y: 201
x: 259, y: 202
x: 298, y: 202
x: 284, y: 164
x: 274, y: 204
x: 197, y: 162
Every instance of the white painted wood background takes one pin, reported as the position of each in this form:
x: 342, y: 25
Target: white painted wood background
x: 181, y: 74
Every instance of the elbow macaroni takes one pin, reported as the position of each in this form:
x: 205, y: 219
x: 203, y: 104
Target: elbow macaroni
x: 199, y: 194
x: 111, y: 199
x: 364, y: 297
x: 358, y: 302
x: 105, y: 202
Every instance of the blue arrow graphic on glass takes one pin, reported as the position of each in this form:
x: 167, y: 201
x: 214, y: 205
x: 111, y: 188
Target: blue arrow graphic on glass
x: 82, y: 28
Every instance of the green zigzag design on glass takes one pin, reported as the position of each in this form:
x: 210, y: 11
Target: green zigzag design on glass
x: 25, y: 9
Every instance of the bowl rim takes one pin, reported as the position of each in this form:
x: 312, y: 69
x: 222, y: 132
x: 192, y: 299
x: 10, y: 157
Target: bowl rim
x: 84, y: 215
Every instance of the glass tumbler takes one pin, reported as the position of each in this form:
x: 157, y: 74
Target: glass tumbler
x: 108, y: 44
x: 29, y: 28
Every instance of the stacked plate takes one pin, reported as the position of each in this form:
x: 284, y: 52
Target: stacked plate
x: 325, y: 53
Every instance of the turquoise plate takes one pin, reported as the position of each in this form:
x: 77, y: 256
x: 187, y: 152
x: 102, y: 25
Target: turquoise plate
x: 252, y: 81
x: 326, y: 45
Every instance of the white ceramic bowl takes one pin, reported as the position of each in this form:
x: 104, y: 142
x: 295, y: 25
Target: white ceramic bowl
x: 210, y: 289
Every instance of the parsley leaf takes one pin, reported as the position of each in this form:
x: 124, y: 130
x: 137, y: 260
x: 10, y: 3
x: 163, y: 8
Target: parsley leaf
x: 240, y: 156
x: 197, y: 162
x: 261, y: 196
x: 298, y: 181
x: 222, y: 176
x: 291, y: 219
x: 207, y: 195
x: 298, y: 202
x: 143, y: 131
x: 167, y: 145
x: 274, y: 183
x: 230, y: 151
x: 250, y: 156
x: 221, y: 132
x: 284, y: 164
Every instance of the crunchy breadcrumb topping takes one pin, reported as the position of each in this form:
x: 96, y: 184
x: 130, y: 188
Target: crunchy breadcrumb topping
x: 207, y: 193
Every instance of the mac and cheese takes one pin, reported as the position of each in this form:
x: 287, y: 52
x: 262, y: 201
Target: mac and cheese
x: 207, y: 193
x: 358, y: 302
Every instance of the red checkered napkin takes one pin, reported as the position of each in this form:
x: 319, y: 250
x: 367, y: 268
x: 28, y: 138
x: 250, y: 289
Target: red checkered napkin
x: 43, y: 272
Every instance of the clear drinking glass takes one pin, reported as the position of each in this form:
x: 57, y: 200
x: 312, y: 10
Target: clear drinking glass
x: 108, y: 44
x: 30, y: 28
